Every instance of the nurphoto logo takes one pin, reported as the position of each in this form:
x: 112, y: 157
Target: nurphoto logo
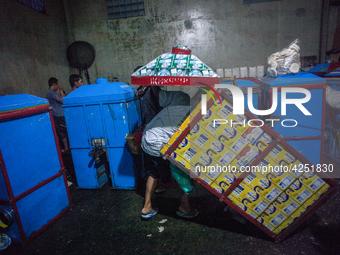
x: 238, y: 104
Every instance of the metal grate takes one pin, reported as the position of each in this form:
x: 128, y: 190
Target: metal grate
x: 38, y: 5
x: 120, y: 9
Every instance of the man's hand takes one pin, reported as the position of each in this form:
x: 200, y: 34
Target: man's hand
x: 62, y: 92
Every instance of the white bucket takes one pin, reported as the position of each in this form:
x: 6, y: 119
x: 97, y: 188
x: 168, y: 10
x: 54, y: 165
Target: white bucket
x: 244, y: 71
x: 236, y: 72
x: 219, y: 72
x: 260, y: 72
x: 252, y: 71
x: 228, y: 72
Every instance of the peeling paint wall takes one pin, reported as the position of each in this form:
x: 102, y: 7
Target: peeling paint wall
x: 221, y: 33
x: 32, y: 47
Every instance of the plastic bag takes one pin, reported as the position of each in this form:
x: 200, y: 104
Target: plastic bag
x: 285, y: 61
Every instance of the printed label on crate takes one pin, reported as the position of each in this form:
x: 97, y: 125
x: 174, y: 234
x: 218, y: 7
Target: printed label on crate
x: 298, y: 213
x: 278, y: 219
x: 180, y: 63
x: 178, y: 72
x: 265, y: 223
x: 312, y: 181
x: 225, y: 111
x: 227, y: 158
x: 163, y: 72
x: 296, y: 169
x: 274, y: 216
x: 180, y: 160
x: 261, y: 185
x: 246, y: 156
x: 283, y: 225
x: 243, y: 207
x: 298, y: 191
x: 165, y: 60
x: 249, y: 198
x: 228, y: 177
x: 275, y: 173
x: 235, y: 143
x: 201, y: 139
x: 253, y: 134
x: 218, y: 187
x: 201, y: 174
x: 286, y: 204
x: 281, y: 179
x: 323, y: 189
x: 281, y: 156
x: 310, y: 201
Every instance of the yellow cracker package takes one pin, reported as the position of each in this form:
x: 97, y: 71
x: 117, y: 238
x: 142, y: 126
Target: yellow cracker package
x: 265, y: 223
x: 187, y: 152
x: 244, y: 207
x: 245, y: 157
x: 323, y: 189
x: 216, y: 149
x: 312, y: 181
x: 262, y: 186
x: 220, y: 187
x: 228, y: 176
x: 226, y: 135
x: 239, y: 122
x: 278, y: 175
x: 201, y: 175
x: 273, y: 215
x: 218, y: 107
x: 298, y: 213
x: 205, y: 163
x: 298, y: 192
x: 164, y: 149
x: 282, y: 156
x: 196, y: 111
x: 250, y: 198
x: 253, y: 134
x: 170, y: 142
x: 231, y: 139
x: 181, y: 160
x: 286, y: 204
x: 209, y: 119
x: 198, y: 135
x: 283, y: 225
x: 310, y: 201
x: 296, y: 169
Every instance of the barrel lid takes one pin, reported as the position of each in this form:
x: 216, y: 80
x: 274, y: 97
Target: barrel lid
x: 20, y: 101
x: 102, y: 92
x: 301, y: 78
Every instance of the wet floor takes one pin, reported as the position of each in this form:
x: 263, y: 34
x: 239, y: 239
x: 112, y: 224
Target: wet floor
x: 107, y: 221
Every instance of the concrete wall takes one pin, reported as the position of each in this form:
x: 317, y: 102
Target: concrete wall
x: 221, y: 33
x: 32, y: 47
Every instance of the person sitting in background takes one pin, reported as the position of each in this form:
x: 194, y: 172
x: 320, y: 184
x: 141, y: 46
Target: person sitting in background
x: 75, y: 81
x: 56, y: 102
x: 157, y: 133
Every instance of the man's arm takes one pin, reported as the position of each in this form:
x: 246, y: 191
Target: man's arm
x: 62, y: 94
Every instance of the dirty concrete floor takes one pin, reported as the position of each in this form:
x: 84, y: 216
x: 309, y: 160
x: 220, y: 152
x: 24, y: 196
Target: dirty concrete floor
x: 107, y: 221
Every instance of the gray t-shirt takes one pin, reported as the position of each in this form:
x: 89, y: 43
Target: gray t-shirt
x: 162, y: 127
x: 53, y: 98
